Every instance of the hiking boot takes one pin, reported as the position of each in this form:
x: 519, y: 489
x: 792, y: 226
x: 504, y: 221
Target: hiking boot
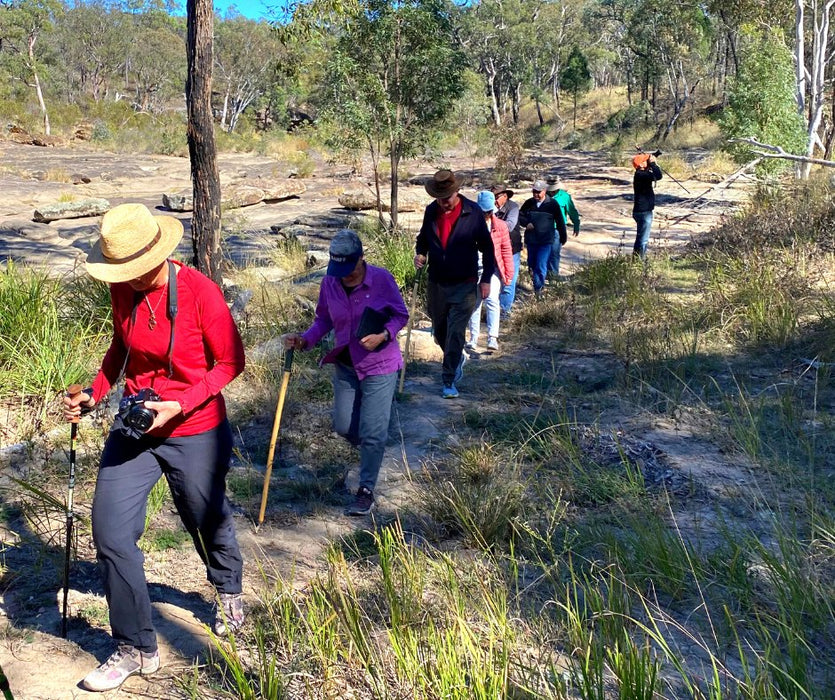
x: 450, y: 392
x: 471, y: 345
x: 229, y: 613
x: 459, y: 372
x: 492, y: 343
x: 123, y: 663
x: 363, y: 502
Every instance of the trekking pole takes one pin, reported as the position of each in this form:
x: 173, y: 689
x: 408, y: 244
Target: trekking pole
x: 285, y: 379
x: 672, y: 178
x: 657, y: 153
x: 5, y: 688
x: 73, y: 390
x: 409, y: 329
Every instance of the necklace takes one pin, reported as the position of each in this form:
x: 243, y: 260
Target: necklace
x: 152, y: 310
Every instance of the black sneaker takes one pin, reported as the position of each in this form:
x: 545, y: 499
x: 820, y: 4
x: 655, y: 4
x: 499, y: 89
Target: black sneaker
x: 363, y: 502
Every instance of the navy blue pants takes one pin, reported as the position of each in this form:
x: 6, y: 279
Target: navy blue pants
x: 195, y: 468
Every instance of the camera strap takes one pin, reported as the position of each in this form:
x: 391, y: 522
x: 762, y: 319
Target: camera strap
x: 172, y: 315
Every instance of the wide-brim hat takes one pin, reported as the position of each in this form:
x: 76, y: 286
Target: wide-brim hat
x: 443, y: 184
x: 133, y: 242
x: 501, y: 189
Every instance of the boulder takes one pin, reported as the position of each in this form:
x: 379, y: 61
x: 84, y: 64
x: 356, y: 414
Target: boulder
x: 422, y: 345
x: 83, y: 132
x: 29, y: 230
x: 275, y: 190
x: 363, y: 198
x: 71, y: 210
x: 293, y: 231
x: 178, y: 201
x: 80, y: 179
x: 239, y: 194
x: 236, y: 196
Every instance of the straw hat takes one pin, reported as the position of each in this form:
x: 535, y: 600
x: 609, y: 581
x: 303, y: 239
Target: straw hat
x: 443, y: 184
x: 133, y: 241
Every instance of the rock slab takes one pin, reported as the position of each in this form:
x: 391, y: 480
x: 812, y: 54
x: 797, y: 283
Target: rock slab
x: 71, y: 210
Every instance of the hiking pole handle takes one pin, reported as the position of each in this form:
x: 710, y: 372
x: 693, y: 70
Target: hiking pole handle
x: 409, y: 325
x: 285, y: 380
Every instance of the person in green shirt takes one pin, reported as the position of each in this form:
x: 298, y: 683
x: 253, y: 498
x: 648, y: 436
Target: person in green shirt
x: 569, y: 213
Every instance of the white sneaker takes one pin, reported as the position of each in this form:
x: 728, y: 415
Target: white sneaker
x: 492, y: 344
x: 122, y: 664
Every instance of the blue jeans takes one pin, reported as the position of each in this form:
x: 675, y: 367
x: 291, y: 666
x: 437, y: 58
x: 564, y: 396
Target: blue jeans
x: 538, y: 263
x: 508, y: 292
x: 554, y: 257
x: 644, y: 221
x: 361, y: 414
x: 491, y: 303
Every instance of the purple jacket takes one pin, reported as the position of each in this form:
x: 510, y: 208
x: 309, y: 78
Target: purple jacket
x: 340, y: 312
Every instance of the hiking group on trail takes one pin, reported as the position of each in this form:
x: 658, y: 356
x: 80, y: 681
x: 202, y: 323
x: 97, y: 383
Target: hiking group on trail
x: 176, y: 346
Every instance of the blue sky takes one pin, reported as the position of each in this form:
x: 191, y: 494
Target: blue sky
x: 254, y: 9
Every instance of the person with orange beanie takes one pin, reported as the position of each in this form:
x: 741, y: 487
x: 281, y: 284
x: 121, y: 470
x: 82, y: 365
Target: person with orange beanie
x: 643, y: 206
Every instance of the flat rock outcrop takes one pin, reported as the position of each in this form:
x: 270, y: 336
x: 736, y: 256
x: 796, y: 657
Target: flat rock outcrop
x: 77, y: 209
x: 240, y: 194
x: 362, y: 199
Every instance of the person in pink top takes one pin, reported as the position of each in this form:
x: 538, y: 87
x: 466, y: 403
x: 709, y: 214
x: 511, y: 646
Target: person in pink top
x: 177, y: 346
x: 502, y: 275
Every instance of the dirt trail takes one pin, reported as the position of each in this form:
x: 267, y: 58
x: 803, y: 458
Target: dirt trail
x: 38, y: 663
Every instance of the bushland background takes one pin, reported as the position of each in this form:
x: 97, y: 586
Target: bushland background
x: 632, y: 498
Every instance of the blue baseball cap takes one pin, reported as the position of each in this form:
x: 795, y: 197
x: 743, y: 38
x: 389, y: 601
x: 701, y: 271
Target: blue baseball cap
x: 486, y: 200
x: 345, y: 252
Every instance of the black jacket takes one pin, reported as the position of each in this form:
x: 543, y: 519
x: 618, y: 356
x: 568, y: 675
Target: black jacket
x: 459, y: 261
x: 643, y: 184
x: 509, y: 213
x: 546, y: 219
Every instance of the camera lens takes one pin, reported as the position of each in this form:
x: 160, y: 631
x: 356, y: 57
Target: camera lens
x: 141, y: 418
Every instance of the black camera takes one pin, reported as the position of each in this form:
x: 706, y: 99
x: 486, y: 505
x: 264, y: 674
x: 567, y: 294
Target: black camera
x: 656, y: 153
x: 133, y: 412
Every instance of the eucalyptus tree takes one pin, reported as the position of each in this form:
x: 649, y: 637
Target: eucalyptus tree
x: 246, y: 55
x: 392, y: 79
x: 157, y: 60
x: 761, y: 100
x: 575, y: 77
x: 22, y: 24
x: 205, y: 179
x: 93, y: 40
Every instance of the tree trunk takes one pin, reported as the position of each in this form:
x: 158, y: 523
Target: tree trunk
x: 205, y: 222
x: 539, y: 110
x: 574, y: 120
x: 37, y: 82
x: 395, y: 164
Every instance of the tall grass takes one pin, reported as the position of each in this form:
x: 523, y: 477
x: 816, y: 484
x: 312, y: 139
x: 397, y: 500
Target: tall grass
x: 49, y: 337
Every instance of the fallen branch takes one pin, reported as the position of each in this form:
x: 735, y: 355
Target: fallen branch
x: 777, y: 152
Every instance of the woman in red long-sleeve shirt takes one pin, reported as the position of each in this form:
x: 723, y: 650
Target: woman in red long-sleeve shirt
x: 173, y: 335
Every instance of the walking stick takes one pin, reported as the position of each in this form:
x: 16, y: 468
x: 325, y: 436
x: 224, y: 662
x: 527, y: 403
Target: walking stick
x: 73, y: 390
x: 409, y: 329
x: 285, y: 379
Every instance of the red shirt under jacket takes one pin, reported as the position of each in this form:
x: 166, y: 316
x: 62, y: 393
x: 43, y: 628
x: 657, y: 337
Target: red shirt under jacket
x: 208, y: 351
x: 446, y: 221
